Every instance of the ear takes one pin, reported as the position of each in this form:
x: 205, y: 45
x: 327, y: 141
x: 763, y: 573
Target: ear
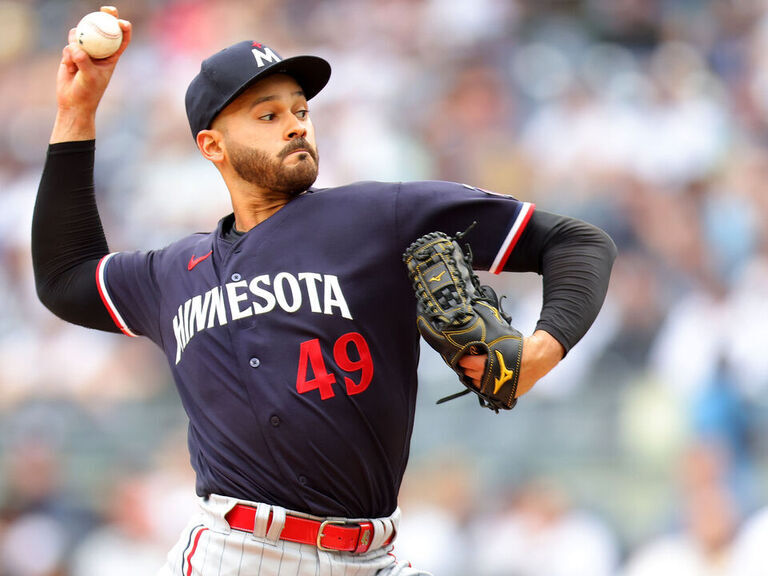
x: 211, y: 145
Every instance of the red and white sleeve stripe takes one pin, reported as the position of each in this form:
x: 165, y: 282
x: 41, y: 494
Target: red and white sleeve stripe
x: 513, y: 236
x: 104, y: 293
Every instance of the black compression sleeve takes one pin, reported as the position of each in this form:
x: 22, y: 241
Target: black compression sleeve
x: 575, y: 261
x: 67, y: 238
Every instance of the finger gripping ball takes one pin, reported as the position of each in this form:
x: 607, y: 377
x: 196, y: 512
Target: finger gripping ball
x: 99, y: 34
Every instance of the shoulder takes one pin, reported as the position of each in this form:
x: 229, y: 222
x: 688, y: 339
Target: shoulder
x: 379, y: 187
x: 156, y: 260
x: 364, y: 187
x: 417, y: 187
x: 192, y: 242
x: 447, y: 185
x: 433, y: 192
x: 365, y: 197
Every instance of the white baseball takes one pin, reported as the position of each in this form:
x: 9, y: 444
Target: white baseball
x: 99, y: 34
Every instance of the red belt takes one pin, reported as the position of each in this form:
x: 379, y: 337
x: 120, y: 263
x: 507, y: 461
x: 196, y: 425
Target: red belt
x: 325, y: 534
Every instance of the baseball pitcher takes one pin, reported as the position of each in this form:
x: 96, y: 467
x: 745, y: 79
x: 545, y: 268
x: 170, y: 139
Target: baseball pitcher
x: 290, y: 325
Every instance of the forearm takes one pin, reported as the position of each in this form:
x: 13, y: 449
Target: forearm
x: 576, y: 266
x: 575, y: 261
x: 73, y: 126
x: 67, y: 237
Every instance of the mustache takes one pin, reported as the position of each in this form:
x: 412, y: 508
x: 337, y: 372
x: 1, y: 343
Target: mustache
x: 298, y: 144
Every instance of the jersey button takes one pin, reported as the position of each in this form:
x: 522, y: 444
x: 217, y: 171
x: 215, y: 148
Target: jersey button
x: 303, y: 480
x: 236, y: 277
x: 254, y: 362
x: 275, y: 421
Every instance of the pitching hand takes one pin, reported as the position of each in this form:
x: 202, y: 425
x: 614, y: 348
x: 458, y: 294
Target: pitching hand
x: 80, y: 84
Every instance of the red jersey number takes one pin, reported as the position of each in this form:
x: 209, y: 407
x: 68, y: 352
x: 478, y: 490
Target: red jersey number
x: 351, y: 354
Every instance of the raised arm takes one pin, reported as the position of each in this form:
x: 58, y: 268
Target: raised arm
x: 67, y: 236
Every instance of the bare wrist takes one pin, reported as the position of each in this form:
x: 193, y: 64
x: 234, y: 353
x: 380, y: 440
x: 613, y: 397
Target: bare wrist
x: 549, y: 350
x: 72, y: 125
x: 541, y: 353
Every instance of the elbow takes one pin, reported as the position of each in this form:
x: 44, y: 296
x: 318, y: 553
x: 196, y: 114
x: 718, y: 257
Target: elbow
x: 44, y: 293
x: 587, y: 239
x: 594, y: 245
x: 49, y: 298
x: 57, y: 293
x: 46, y: 282
x: 596, y: 240
x: 73, y: 296
x: 606, y: 244
x: 603, y: 255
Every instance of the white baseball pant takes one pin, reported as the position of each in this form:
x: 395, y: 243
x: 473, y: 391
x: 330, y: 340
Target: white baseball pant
x: 208, y: 546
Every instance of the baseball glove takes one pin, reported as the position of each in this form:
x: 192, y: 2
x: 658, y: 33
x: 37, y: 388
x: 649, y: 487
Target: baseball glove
x: 457, y: 316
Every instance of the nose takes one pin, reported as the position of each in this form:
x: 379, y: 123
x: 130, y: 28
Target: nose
x: 295, y: 129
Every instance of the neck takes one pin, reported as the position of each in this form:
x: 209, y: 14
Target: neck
x: 253, y: 209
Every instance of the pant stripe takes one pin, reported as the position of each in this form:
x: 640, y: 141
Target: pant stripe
x: 189, y: 541
x: 205, y: 554
x: 192, y: 552
x: 221, y: 558
x: 242, y: 553
x: 261, y: 559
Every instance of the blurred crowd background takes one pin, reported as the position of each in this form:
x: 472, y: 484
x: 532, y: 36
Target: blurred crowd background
x: 645, y: 452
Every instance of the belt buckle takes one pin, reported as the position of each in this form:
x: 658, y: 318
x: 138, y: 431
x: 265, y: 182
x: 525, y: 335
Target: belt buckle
x: 323, y: 524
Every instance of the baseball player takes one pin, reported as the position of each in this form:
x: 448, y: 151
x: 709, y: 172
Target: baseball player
x: 289, y: 329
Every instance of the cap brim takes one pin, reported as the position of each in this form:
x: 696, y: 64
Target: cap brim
x: 310, y: 72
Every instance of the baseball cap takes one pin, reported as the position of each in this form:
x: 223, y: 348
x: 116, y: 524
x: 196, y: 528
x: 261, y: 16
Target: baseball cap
x: 226, y: 74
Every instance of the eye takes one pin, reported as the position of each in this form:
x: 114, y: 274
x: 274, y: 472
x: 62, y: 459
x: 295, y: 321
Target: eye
x: 302, y: 114
x: 267, y: 117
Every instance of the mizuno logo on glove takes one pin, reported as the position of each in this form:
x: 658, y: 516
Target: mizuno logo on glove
x: 505, y: 375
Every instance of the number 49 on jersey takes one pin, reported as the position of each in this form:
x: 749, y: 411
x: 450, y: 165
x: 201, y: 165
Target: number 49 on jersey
x: 311, y: 359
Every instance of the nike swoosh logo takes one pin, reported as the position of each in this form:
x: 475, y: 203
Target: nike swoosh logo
x: 195, y: 261
x: 437, y: 278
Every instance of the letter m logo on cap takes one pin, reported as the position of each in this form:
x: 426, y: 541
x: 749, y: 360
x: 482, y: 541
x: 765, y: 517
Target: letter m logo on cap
x: 264, y: 56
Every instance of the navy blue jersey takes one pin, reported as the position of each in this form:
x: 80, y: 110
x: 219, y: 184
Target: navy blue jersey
x: 294, y: 348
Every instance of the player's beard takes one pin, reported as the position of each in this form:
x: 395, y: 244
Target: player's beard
x: 257, y: 167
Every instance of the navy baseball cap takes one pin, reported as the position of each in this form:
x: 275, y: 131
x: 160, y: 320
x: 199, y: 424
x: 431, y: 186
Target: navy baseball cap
x: 226, y: 74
